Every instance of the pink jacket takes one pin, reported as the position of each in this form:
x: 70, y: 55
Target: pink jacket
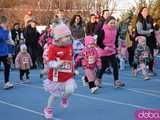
x: 90, y: 58
x: 109, y: 41
x: 23, y: 61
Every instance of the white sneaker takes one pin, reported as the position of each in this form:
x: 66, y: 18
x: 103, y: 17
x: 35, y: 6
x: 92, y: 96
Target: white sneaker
x: 146, y: 77
x: 48, y: 113
x: 94, y: 89
x: 8, y: 85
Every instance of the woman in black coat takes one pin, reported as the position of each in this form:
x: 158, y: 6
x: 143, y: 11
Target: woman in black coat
x: 31, y: 36
x: 144, y: 27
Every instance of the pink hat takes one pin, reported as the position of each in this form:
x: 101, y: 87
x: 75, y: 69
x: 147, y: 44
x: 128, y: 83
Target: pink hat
x: 89, y: 40
x: 139, y: 38
x: 61, y: 30
x: 22, y: 47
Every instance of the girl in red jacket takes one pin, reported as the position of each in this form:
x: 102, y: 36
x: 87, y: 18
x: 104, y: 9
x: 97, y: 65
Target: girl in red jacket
x: 60, y: 80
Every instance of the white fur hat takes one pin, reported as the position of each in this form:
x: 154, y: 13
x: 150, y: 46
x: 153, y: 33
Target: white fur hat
x: 22, y: 47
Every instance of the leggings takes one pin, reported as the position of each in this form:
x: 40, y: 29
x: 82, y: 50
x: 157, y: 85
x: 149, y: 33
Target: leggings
x: 114, y: 64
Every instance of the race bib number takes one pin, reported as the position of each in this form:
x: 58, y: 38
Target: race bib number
x: 91, y: 60
x: 66, y: 66
x: 25, y: 60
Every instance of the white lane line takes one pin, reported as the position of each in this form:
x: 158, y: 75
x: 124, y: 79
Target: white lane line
x: 129, y: 89
x: 147, y: 90
x: 124, y: 76
x: 138, y: 78
x: 24, y: 109
x: 136, y: 91
x: 113, y: 102
x: 97, y: 99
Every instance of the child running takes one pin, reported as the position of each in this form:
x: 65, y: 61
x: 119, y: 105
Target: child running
x: 142, y: 57
x: 60, y: 80
x: 90, y: 61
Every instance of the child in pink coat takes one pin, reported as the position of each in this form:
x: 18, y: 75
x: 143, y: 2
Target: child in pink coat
x: 90, y: 61
x: 23, y: 62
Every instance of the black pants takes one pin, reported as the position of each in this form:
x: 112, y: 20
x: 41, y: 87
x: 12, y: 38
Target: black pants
x: 151, y: 64
x: 6, y: 64
x: 33, y: 52
x: 111, y: 60
x: 22, y: 72
x: 130, y: 55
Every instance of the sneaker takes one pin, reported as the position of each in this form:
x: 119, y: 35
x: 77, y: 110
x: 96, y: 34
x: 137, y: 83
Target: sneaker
x: 118, y: 84
x: 64, y: 102
x: 146, y: 77
x: 152, y: 74
x: 48, y: 113
x: 8, y: 85
x: 94, y: 89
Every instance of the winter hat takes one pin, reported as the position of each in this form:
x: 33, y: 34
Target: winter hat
x: 22, y: 47
x: 109, y: 19
x: 61, y: 30
x: 140, y: 38
x: 89, y: 40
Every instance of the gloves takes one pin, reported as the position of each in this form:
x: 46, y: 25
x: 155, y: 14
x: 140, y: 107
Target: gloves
x: 54, y: 64
x: 76, y: 72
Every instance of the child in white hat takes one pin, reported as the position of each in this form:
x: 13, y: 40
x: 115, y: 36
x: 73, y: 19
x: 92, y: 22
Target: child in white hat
x: 60, y: 80
x: 142, y: 57
x: 23, y: 62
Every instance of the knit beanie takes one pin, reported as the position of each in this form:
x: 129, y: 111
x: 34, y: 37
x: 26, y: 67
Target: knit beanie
x: 140, y: 38
x: 89, y: 40
x: 23, y: 47
x: 61, y: 30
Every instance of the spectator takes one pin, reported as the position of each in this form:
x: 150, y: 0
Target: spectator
x: 31, y: 35
x: 4, y: 51
x: 77, y: 28
x: 145, y: 28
